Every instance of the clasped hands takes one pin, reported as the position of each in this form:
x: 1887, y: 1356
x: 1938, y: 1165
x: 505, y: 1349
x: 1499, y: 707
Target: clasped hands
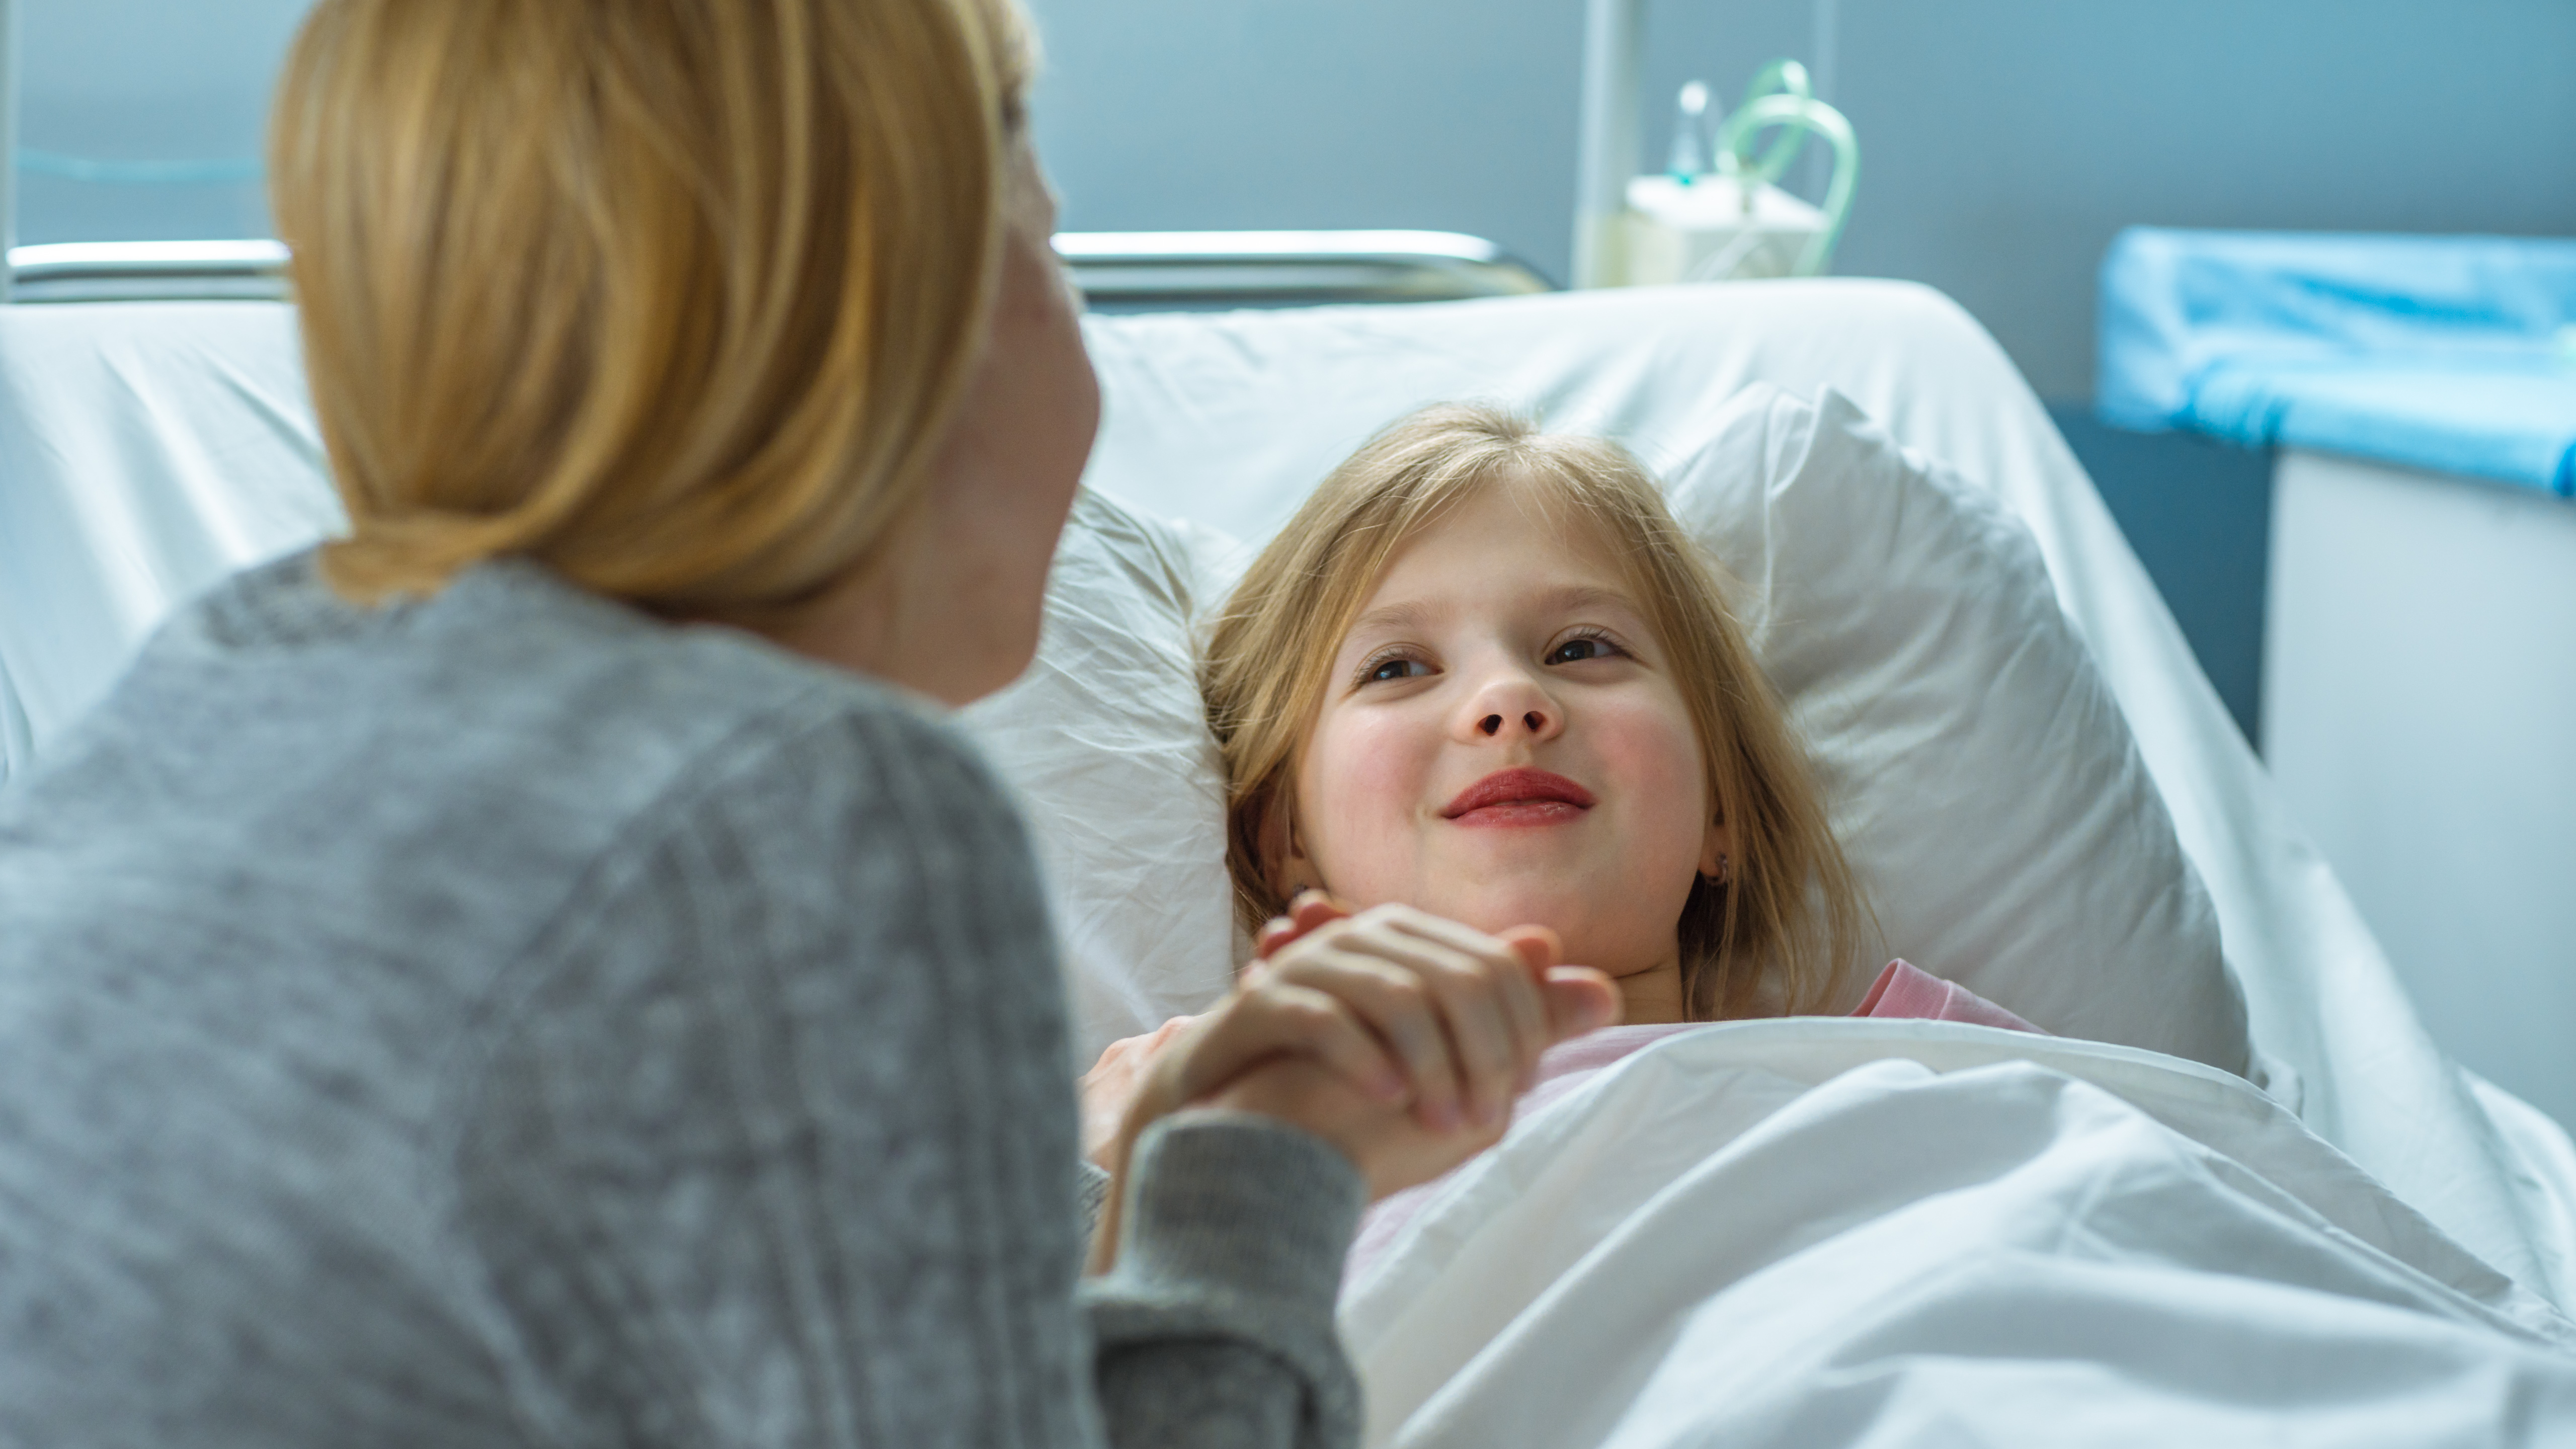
x: 1398, y: 1037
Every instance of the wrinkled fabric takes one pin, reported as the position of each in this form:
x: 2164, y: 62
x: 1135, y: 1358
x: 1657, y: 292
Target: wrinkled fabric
x: 1813, y: 1232
x: 1902, y: 991
x: 1906, y: 990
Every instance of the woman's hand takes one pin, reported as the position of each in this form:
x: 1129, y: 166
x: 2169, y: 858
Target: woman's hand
x: 1407, y: 1006
x: 1389, y: 1145
x: 1407, y: 1010
x: 1112, y: 1085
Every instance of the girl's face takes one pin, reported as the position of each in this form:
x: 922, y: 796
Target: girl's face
x: 1502, y: 742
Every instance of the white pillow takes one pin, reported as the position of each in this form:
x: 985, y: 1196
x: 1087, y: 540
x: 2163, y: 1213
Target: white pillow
x: 1105, y: 740
x: 1980, y: 775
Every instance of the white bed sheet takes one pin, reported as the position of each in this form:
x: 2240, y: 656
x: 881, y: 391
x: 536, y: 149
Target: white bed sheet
x: 1810, y: 1232
x: 146, y: 449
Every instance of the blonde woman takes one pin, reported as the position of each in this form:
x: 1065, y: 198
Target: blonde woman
x: 538, y: 970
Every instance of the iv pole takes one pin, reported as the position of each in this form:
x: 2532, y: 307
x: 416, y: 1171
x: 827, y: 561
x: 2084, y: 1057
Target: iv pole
x: 1614, y: 40
x: 8, y: 142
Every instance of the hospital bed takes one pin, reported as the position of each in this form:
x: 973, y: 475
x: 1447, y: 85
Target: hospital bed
x: 148, y: 448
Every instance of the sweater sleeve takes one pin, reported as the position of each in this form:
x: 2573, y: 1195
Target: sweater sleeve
x: 771, y: 1140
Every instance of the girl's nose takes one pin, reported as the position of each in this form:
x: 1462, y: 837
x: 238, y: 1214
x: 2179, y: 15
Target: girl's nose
x: 1513, y: 706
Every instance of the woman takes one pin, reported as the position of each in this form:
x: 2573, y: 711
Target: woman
x: 536, y: 971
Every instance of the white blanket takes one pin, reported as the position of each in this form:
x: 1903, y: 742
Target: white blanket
x: 1810, y: 1233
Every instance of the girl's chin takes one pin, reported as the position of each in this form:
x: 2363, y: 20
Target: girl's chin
x: 1575, y: 919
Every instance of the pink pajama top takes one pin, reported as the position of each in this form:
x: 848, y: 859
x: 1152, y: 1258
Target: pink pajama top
x: 1902, y: 990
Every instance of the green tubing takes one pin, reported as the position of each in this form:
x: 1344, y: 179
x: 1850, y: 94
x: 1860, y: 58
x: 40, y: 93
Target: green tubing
x: 1801, y: 115
x: 1780, y: 77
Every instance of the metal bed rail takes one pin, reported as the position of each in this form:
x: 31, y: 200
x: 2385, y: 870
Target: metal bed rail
x: 1117, y: 271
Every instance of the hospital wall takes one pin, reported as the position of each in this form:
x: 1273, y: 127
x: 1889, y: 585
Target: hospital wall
x: 2003, y: 141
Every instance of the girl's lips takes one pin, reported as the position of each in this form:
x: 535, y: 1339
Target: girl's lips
x: 1519, y: 797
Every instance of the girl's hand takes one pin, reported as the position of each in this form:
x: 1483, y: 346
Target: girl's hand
x: 1458, y: 1017
x: 1311, y: 909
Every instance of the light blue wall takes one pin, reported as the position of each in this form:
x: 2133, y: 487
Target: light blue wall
x: 146, y: 80
x: 2004, y: 140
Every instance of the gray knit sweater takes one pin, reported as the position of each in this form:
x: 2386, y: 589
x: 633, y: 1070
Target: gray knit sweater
x: 507, y: 1020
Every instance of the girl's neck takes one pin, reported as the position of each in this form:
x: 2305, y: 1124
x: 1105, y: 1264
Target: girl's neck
x: 1652, y: 997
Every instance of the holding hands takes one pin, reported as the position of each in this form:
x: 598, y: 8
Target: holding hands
x: 1397, y: 1036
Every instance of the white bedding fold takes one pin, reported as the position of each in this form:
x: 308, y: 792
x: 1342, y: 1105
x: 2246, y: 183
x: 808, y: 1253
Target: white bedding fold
x: 1812, y: 1232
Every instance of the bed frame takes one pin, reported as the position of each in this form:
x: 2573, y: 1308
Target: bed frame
x: 1117, y: 271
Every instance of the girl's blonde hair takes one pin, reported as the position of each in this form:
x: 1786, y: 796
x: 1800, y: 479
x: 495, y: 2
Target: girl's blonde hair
x: 673, y: 296
x: 1778, y: 934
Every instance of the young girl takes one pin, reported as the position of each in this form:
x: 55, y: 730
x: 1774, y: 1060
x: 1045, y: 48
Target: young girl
x: 1484, y: 675
x: 1484, y: 672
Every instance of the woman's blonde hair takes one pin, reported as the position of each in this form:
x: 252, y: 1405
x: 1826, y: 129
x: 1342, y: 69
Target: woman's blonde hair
x: 673, y: 296
x: 1778, y: 934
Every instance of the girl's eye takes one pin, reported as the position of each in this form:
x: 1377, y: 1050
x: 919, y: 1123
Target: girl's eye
x: 1391, y: 669
x: 1583, y: 647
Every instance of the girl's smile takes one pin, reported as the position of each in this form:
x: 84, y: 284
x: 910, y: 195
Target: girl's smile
x: 1508, y: 798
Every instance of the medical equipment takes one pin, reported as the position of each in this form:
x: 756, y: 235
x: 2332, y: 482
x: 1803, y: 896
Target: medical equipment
x: 1694, y: 235
x: 1723, y: 217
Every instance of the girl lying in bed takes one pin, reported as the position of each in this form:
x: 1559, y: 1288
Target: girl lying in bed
x: 1485, y: 676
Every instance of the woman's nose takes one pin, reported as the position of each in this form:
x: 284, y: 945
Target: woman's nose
x: 1534, y: 721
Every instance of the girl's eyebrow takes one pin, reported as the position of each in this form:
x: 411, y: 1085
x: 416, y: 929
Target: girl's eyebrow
x: 1405, y: 618
x: 1415, y: 617
x: 1577, y: 597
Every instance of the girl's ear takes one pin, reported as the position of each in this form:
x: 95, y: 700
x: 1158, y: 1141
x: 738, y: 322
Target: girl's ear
x: 1284, y: 863
x: 1717, y: 851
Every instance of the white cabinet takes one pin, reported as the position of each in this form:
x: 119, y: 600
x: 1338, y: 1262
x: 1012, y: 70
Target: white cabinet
x: 2419, y: 713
